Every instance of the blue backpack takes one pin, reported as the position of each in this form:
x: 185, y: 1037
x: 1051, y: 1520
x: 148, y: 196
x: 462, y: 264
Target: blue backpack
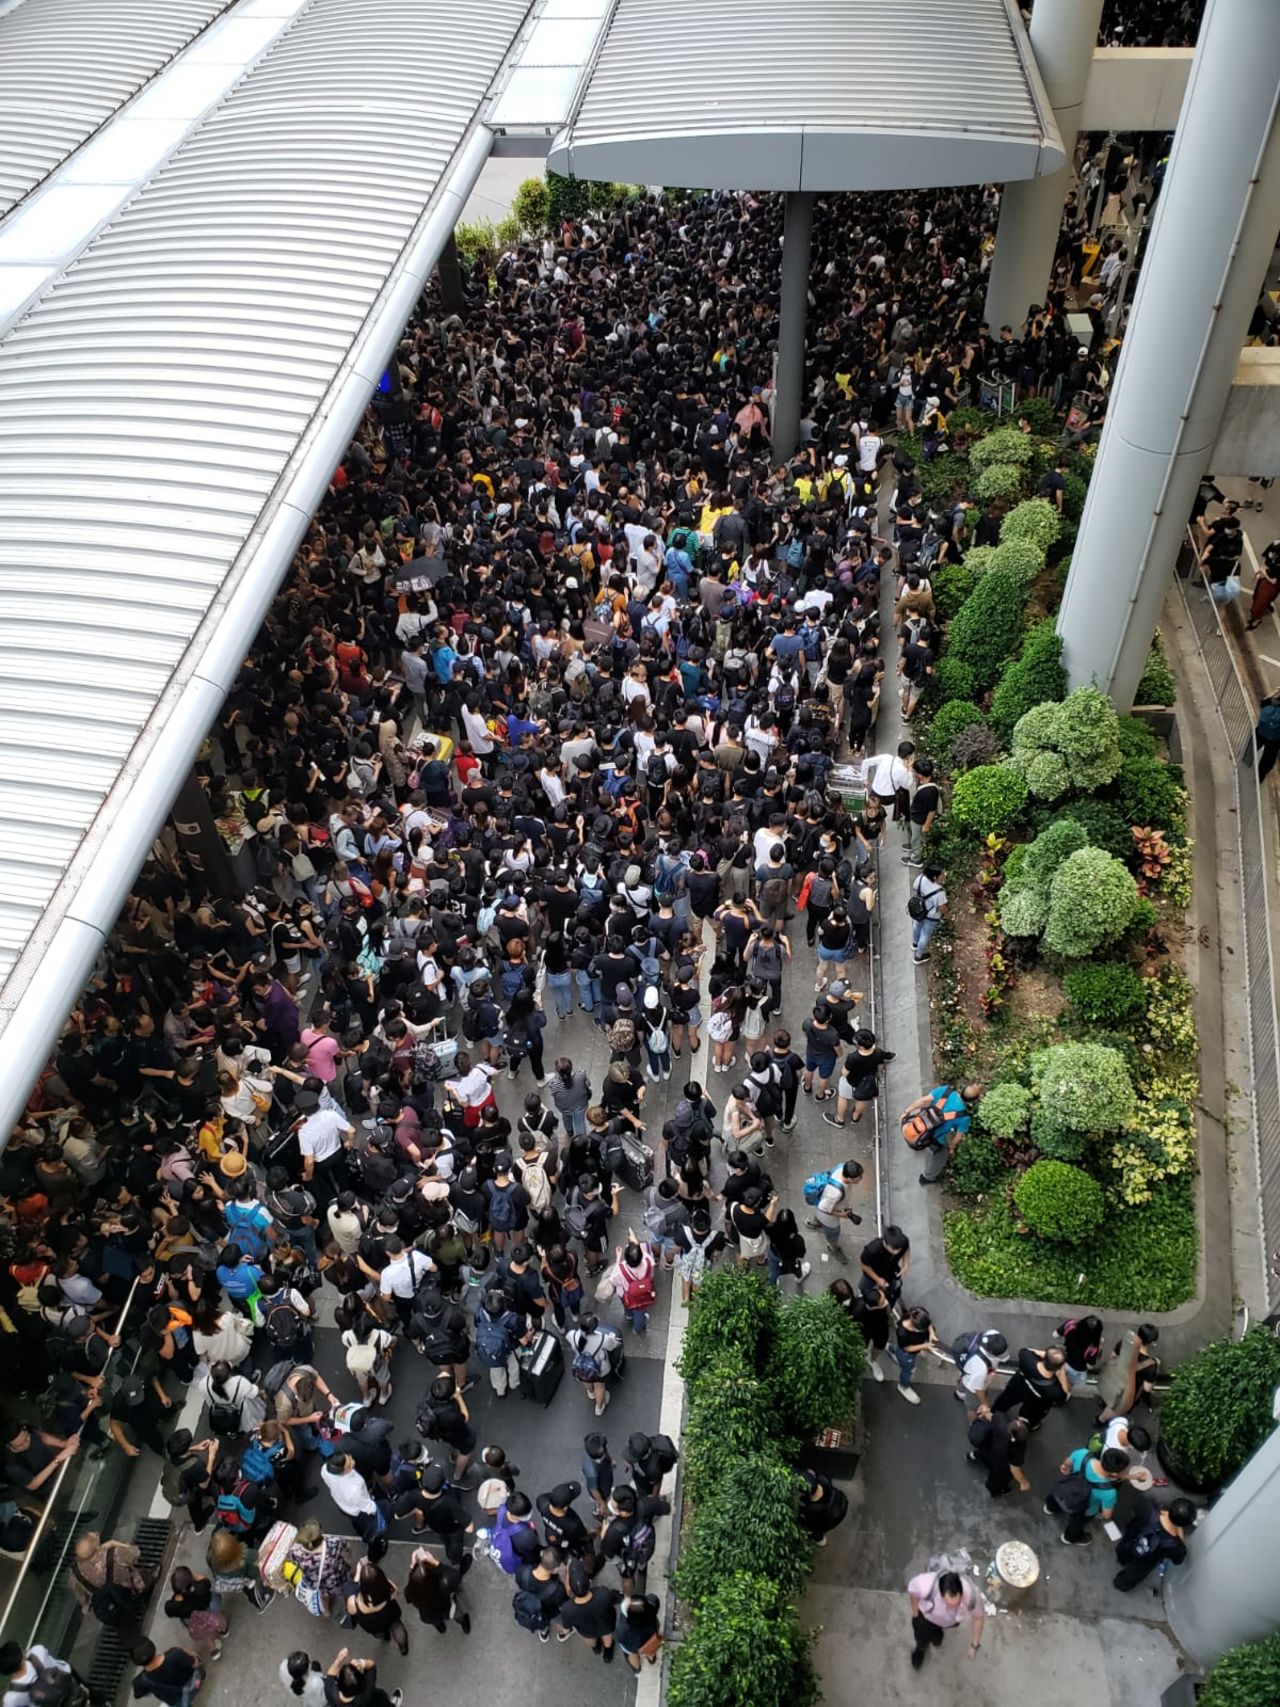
x: 816, y: 1184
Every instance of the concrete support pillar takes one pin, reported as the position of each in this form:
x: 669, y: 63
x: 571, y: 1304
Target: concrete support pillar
x: 1063, y: 34
x: 1213, y: 233
x: 204, y: 848
x: 793, y: 304
x: 1228, y: 1592
x: 450, y: 277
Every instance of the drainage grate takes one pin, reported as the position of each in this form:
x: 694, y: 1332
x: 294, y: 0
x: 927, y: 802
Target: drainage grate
x: 111, y: 1653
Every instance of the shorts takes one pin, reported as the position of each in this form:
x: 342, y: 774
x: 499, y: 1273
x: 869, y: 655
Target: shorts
x: 831, y: 954
x: 822, y: 1065
x: 693, y: 1017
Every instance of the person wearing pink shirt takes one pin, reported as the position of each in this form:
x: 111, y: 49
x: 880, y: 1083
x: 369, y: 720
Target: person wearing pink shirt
x: 323, y: 1048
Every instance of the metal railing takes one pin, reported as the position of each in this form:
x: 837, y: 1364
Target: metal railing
x: 44, y: 1563
x: 1238, y: 715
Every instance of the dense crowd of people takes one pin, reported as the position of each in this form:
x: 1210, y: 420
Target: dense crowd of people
x: 543, y: 721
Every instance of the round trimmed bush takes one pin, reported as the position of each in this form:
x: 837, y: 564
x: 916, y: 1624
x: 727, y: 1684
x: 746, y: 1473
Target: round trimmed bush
x: 1084, y: 1086
x: 1005, y: 1111
x: 1034, y: 522
x: 1021, y: 557
x: 1149, y: 793
x: 952, y: 584
x: 987, y: 628
x: 1023, y: 910
x: 1077, y: 744
x: 1002, y: 445
x: 1059, y: 1202
x: 999, y: 480
x: 1092, y: 901
x: 989, y: 799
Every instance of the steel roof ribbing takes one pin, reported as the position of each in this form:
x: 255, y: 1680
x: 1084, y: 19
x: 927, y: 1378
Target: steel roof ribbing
x: 67, y: 65
x: 819, y: 94
x: 151, y: 401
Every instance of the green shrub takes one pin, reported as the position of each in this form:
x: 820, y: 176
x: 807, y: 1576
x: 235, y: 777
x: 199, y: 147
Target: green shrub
x: 1035, y: 522
x: 1022, y: 558
x: 950, y: 719
x: 1040, y: 415
x: 1035, y: 677
x: 1060, y: 1202
x: 530, y: 204
x: 955, y: 679
x: 1005, y: 1111
x: 1074, y: 492
x: 757, y: 1497
x: 1217, y: 1411
x: 976, y: 1167
x: 1157, y: 684
x: 1148, y: 792
x: 1244, y: 1676
x: 733, y: 1310
x: 987, y: 628
x: 1072, y: 746
x: 1103, y: 823
x: 1109, y: 993
x: 999, y: 480
x: 816, y: 1363
x: 1004, y: 445
x: 1136, y: 739
x: 1051, y: 847
x: 745, y: 1645
x: 508, y: 232
x: 1051, y: 1138
x: 1084, y: 1086
x: 567, y: 198
x: 727, y: 1420
x: 1140, y: 1260
x: 952, y: 584
x: 476, y: 241
x: 943, y: 479
x: 979, y: 558
x: 1023, y: 909
x: 989, y: 799
x: 968, y: 418
x: 1092, y: 901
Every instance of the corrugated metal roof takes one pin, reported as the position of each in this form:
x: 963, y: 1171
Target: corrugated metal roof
x: 152, y: 400
x: 813, y: 95
x: 67, y: 65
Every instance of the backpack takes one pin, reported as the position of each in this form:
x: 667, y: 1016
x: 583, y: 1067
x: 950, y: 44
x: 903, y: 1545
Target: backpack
x: 816, y: 1184
x: 528, y: 1609
x: 224, y: 1417
x: 775, y: 898
x: 589, y: 1365
x: 919, y: 1126
x: 502, y: 1214
x: 278, y: 1374
x: 112, y: 1604
x: 637, y: 1549
x: 664, y: 1449
x: 655, y: 771
x: 767, y: 1100
x: 622, y: 1036
x: 1073, y: 1492
x: 964, y: 1346
x: 575, y: 1220
x: 283, y: 1327
x: 795, y: 553
x: 491, y: 1336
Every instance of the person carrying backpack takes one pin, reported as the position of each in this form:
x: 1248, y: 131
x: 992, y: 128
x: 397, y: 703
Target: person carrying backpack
x: 935, y: 1123
x: 594, y: 1348
x: 498, y: 1331
x: 825, y: 1193
x: 628, y: 1537
x: 235, y: 1404
x: 109, y: 1580
x: 286, y: 1319
x: 768, y: 952
x: 507, y: 1202
x: 650, y: 1458
x: 633, y: 1272
x: 977, y: 1357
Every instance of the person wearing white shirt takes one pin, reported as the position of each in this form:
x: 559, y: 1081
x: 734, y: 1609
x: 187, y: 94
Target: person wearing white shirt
x: 889, y: 777
x: 477, y: 732
x: 553, y: 787
x: 350, y: 1493
x: 403, y: 1275
x: 473, y: 1087
x: 37, y: 1659
x: 868, y: 450
x: 320, y: 1144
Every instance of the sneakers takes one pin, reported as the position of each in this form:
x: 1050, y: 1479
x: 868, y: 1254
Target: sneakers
x: 1084, y: 1540
x: 601, y: 1405
x: 840, y: 1257
x: 909, y: 1394
x: 545, y: 1635
x: 917, y: 1658
x: 564, y: 1635
x: 832, y: 1120
x: 812, y: 1225
x: 397, y: 1698
x: 877, y: 1374
x: 921, y: 958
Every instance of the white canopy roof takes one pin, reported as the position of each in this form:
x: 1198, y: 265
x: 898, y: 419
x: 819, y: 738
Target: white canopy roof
x: 812, y: 95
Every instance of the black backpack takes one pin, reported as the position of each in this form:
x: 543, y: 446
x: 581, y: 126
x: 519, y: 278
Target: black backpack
x: 656, y: 771
x: 283, y: 1327
x: 112, y: 1604
x: 768, y: 1102
x: 530, y: 1614
x: 224, y: 1417
x: 637, y: 1548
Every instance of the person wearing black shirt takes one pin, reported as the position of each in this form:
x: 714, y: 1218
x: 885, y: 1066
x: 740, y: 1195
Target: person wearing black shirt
x: 564, y: 1529
x: 887, y: 1259
x: 591, y: 1612
x: 542, y: 1579
x: 172, y: 1676
x: 434, y: 1505
x: 924, y: 809
x: 1153, y: 1536
x: 1036, y: 1385
x: 1000, y: 1446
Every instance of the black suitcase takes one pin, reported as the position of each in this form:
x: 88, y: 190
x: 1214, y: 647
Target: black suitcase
x: 635, y: 1170
x: 541, y: 1368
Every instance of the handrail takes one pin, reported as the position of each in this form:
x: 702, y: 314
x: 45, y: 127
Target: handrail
x: 55, y: 1492
x: 1237, y: 715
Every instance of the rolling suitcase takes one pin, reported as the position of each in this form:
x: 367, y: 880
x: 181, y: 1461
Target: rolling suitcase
x: 635, y: 1170
x: 541, y: 1367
